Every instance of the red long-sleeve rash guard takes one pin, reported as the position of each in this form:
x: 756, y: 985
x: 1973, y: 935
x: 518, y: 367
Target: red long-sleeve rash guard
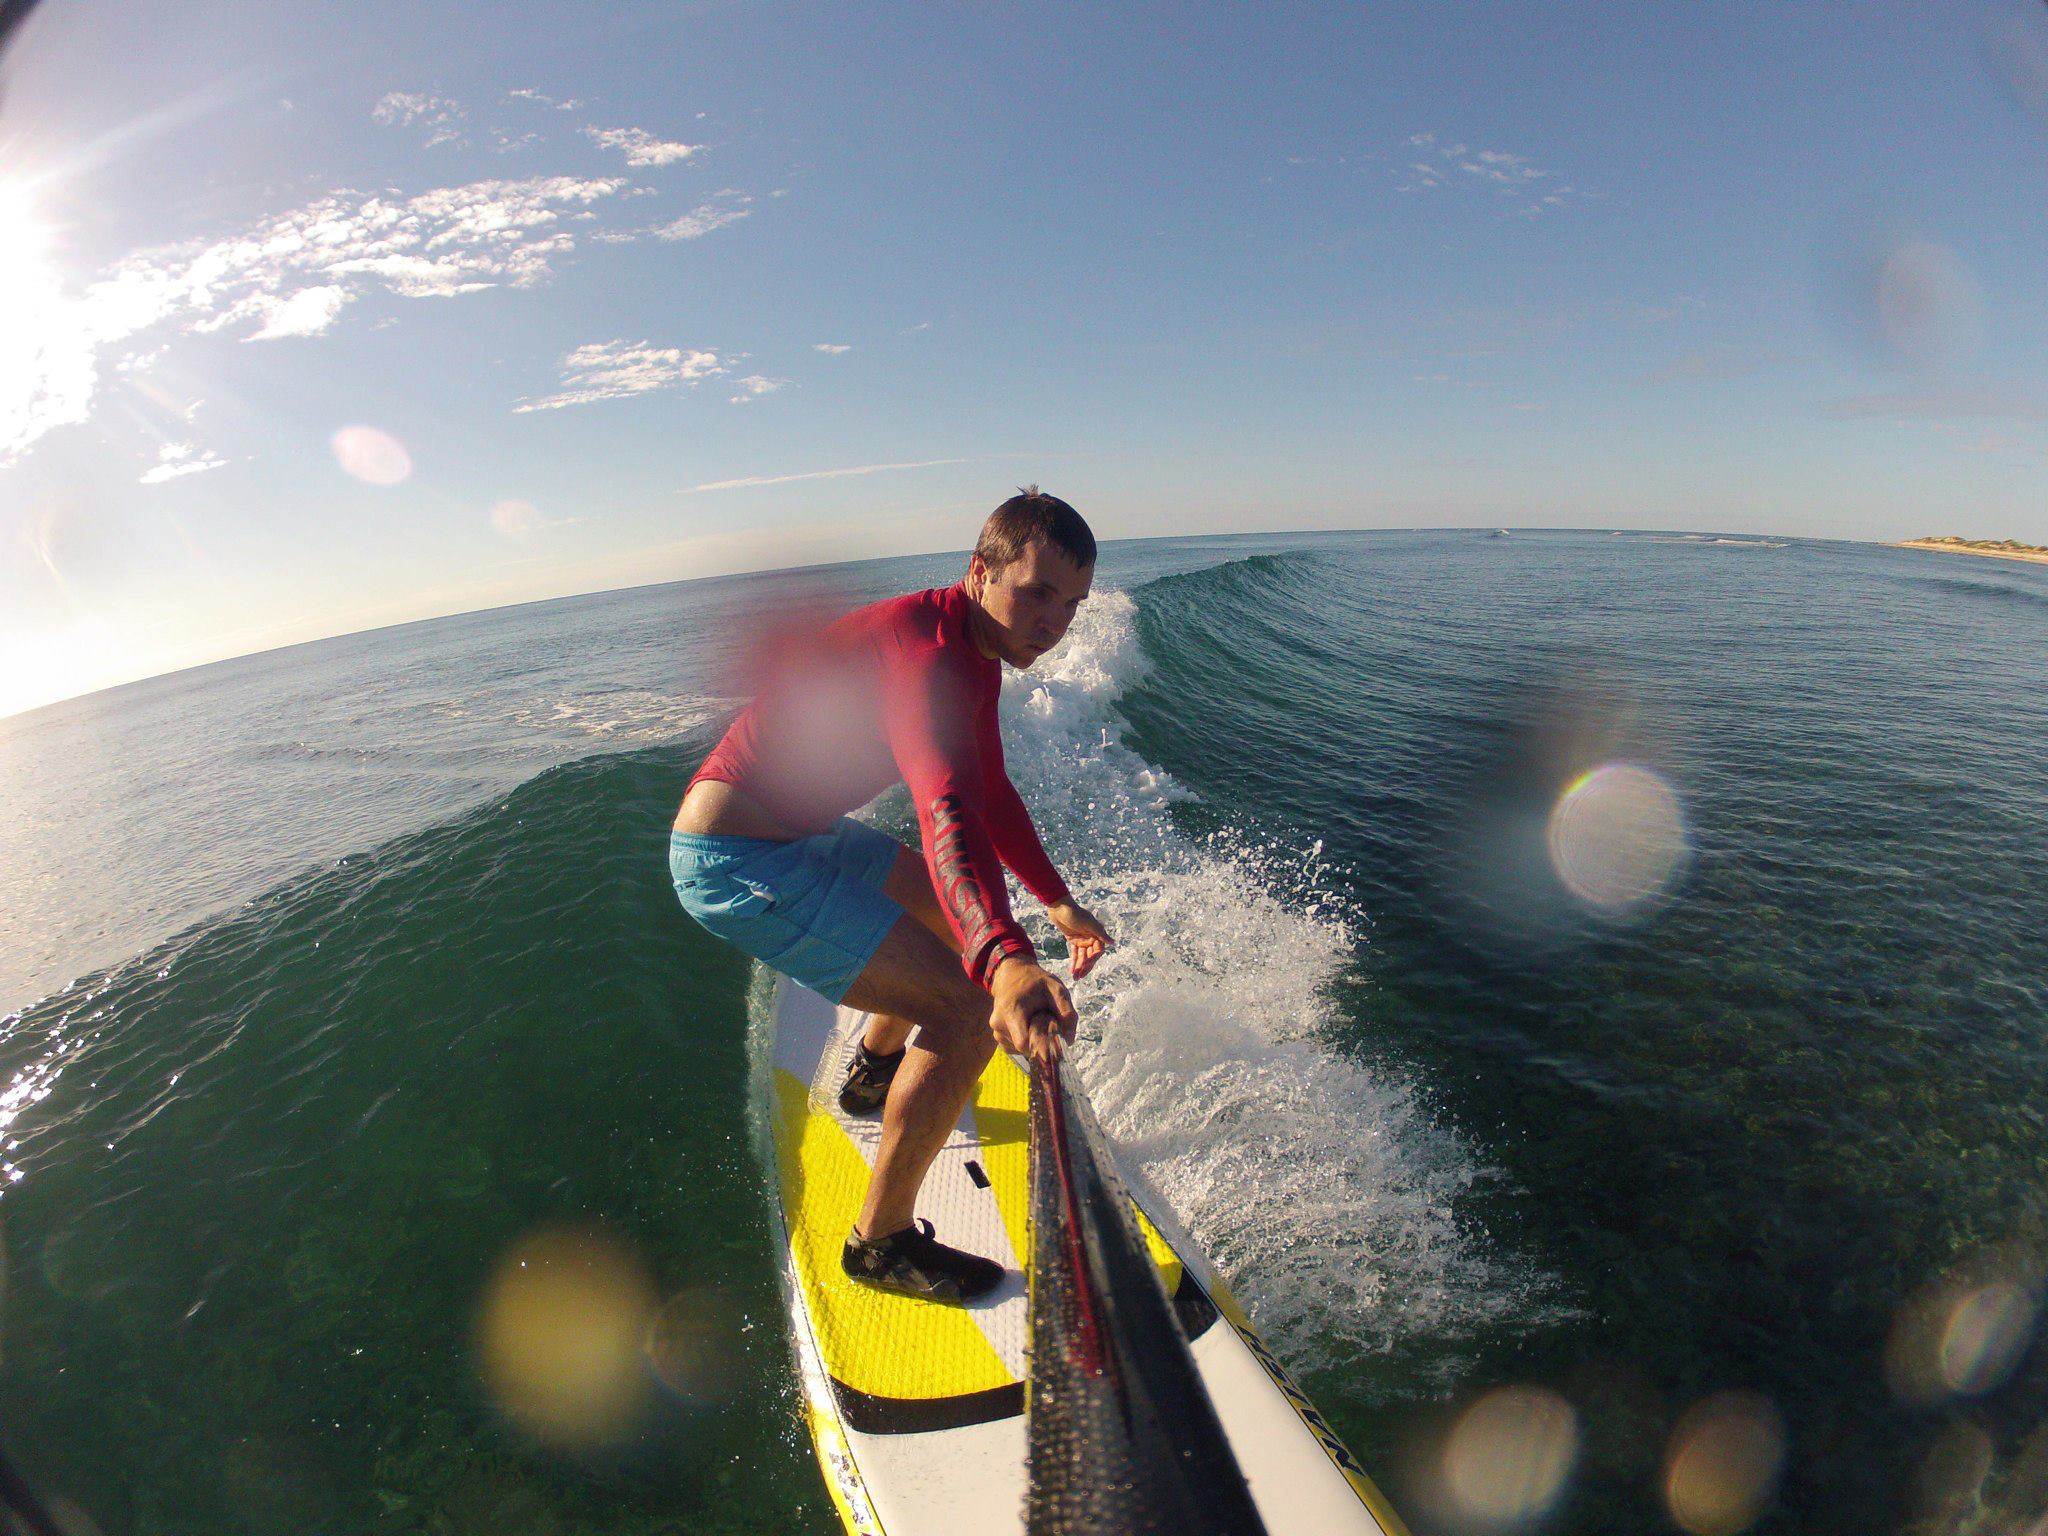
x: 897, y: 690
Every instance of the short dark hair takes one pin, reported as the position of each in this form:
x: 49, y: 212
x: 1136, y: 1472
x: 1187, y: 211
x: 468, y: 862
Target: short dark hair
x: 1029, y: 515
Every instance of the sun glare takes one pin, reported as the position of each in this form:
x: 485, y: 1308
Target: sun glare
x: 24, y: 240
x: 41, y: 667
x: 29, y: 342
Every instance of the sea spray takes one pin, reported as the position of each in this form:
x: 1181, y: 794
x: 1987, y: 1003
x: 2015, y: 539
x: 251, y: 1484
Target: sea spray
x: 1317, y: 1179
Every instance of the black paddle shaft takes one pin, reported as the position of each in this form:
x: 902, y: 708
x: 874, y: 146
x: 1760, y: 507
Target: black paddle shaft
x: 1123, y: 1440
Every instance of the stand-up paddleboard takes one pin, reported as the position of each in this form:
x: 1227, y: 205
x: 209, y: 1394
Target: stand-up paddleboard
x: 917, y: 1408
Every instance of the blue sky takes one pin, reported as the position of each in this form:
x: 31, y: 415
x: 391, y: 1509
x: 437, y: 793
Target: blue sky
x: 344, y: 315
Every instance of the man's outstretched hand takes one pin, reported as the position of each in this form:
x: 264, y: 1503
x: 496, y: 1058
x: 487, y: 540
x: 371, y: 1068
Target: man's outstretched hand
x: 1033, y: 1016
x: 1086, y: 938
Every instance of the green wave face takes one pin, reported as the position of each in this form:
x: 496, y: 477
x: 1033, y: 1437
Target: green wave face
x: 281, y: 1157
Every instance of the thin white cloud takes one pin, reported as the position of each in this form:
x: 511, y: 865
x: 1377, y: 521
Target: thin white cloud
x: 1981, y: 403
x: 639, y: 146
x: 1982, y: 440
x: 832, y: 348
x: 308, y: 312
x: 751, y: 481
x: 701, y: 220
x: 177, y: 459
x: 1530, y: 190
x: 521, y: 519
x: 1487, y: 330
x: 539, y: 99
x: 287, y: 275
x: 440, y: 116
x: 727, y: 207
x: 613, y: 370
x: 1715, y: 363
x: 448, y: 241
x: 754, y: 386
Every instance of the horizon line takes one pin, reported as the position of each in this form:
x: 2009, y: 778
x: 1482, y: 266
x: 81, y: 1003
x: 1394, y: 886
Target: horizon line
x: 9, y: 718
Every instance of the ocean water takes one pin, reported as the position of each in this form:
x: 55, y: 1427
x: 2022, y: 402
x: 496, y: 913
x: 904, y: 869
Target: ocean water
x: 1600, y: 975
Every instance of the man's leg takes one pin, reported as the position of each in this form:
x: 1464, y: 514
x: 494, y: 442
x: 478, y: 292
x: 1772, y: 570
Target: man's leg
x: 911, y: 888
x: 913, y: 977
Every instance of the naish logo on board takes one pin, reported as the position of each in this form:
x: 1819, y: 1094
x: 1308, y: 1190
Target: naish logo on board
x: 854, y: 1492
x: 959, y: 886
x: 1311, y: 1415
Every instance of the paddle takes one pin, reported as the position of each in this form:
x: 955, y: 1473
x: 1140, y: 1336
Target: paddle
x: 1122, y: 1437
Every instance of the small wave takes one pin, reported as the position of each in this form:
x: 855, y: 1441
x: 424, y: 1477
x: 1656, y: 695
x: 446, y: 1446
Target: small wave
x: 1721, y: 540
x: 1268, y: 570
x: 630, y: 717
x: 1320, y: 1182
x: 321, y: 752
x: 2022, y: 597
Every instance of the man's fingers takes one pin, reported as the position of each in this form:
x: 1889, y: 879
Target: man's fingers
x: 1062, y: 1004
x: 1049, y: 1035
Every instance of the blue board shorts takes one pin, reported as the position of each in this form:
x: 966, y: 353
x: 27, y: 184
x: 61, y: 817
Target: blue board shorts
x: 814, y: 909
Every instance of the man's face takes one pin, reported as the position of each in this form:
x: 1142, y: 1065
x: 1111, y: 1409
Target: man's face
x: 1030, y: 602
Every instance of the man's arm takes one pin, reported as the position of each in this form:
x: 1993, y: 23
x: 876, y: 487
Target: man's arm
x: 930, y: 726
x: 928, y: 710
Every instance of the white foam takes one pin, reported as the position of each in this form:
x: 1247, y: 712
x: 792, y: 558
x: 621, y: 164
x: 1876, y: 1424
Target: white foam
x: 1312, y: 1172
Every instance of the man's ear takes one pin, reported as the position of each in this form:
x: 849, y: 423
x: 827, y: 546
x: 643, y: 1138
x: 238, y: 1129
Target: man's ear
x: 977, y: 577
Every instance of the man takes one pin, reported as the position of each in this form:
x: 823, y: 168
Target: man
x: 765, y: 857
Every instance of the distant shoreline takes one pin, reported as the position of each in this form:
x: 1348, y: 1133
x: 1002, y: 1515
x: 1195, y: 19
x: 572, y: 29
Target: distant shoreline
x: 2028, y: 553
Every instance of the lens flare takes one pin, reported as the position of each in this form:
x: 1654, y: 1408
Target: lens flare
x: 1507, y: 1458
x: 1926, y: 302
x: 561, y: 1331
x: 1950, y: 1483
x: 2017, y: 54
x: 690, y: 1347
x: 1723, y: 1463
x: 515, y: 519
x: 373, y: 457
x: 1961, y: 1336
x: 1617, y: 836
x: 70, y: 1519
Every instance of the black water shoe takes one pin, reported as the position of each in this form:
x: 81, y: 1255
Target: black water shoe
x: 867, y: 1080
x: 918, y: 1264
